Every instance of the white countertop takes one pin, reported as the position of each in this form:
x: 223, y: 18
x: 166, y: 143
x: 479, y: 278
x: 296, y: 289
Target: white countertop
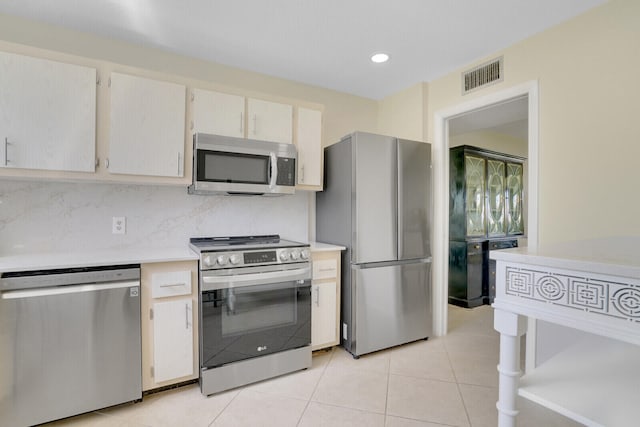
x: 44, y: 261
x: 325, y: 247
x: 53, y: 260
x: 613, y: 255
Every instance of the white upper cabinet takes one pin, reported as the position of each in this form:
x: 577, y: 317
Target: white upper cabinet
x: 47, y: 114
x: 147, y: 127
x: 270, y: 121
x: 218, y: 113
x: 309, y: 143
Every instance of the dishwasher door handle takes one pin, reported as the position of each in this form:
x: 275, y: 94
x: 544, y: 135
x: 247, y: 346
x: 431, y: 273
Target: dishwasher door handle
x: 61, y: 290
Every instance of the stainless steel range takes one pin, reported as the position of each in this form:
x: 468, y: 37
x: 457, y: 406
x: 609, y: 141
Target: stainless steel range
x: 255, y: 309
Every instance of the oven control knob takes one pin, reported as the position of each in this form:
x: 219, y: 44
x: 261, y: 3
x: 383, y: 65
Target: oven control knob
x: 234, y: 259
x: 295, y: 254
x: 284, y: 255
x: 304, y: 254
x: 208, y: 261
x: 223, y: 259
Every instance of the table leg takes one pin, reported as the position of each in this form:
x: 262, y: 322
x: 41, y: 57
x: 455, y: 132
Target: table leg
x: 511, y: 327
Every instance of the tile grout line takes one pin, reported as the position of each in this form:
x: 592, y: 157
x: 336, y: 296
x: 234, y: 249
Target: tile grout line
x: 223, y: 409
x: 324, y: 369
x: 386, y: 397
x: 455, y: 376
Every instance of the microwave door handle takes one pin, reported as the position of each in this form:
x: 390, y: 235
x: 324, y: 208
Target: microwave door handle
x: 274, y: 170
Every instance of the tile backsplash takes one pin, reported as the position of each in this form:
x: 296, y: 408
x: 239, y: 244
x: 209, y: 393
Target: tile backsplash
x: 52, y: 216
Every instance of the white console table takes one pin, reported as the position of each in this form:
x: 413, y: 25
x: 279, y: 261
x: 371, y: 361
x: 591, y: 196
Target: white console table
x: 591, y: 286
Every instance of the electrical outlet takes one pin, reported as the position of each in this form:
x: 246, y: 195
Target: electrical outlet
x: 119, y: 225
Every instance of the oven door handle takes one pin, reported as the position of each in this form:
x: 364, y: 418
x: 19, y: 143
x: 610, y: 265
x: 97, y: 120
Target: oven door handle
x: 210, y: 283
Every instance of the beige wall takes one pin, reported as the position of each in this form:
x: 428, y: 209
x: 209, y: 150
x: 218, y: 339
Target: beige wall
x: 402, y: 114
x: 491, y: 140
x: 343, y: 113
x: 589, y: 134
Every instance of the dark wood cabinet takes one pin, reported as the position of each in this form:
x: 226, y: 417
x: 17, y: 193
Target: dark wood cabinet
x: 486, y: 201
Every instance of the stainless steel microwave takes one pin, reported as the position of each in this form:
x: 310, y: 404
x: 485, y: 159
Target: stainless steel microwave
x: 228, y: 165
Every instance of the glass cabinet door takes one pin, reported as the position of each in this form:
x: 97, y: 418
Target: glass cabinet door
x: 515, y: 221
x: 475, y: 202
x: 495, y: 195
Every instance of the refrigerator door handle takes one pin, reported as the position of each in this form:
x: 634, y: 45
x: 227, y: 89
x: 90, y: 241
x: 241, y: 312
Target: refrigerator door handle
x: 366, y: 265
x: 400, y: 199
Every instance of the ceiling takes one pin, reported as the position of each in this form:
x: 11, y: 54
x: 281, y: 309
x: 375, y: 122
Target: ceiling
x: 325, y: 43
x: 509, y: 118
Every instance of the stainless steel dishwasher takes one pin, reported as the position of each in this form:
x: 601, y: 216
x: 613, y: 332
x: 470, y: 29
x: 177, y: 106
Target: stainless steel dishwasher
x: 69, y: 342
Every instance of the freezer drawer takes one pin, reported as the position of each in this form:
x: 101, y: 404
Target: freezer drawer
x: 391, y: 305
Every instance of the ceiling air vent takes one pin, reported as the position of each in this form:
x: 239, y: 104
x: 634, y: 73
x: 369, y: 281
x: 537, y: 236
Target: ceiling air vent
x: 483, y: 75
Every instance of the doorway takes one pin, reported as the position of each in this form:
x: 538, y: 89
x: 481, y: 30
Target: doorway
x: 472, y: 114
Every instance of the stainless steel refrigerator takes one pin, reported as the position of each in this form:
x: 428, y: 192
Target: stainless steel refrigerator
x: 377, y: 203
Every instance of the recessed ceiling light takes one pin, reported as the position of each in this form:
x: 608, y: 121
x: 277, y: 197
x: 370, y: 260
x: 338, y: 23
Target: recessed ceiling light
x: 379, y: 57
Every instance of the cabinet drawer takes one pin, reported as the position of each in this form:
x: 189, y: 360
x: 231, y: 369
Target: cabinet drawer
x: 325, y: 269
x: 170, y: 284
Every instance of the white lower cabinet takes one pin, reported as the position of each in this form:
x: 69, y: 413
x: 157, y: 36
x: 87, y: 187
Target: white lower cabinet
x: 325, y: 299
x: 169, y: 323
x: 323, y: 313
x: 172, y: 339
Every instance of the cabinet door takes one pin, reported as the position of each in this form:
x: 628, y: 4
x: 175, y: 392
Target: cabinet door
x: 309, y: 139
x: 172, y: 339
x: 495, y: 198
x: 47, y: 114
x: 475, y: 198
x: 323, y: 313
x: 218, y: 113
x: 270, y: 121
x: 515, y: 220
x: 146, y: 127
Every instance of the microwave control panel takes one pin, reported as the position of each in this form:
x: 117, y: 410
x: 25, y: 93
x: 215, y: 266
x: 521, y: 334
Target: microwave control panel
x: 286, y: 171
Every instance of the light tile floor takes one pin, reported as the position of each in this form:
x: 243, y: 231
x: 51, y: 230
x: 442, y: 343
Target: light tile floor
x: 447, y: 381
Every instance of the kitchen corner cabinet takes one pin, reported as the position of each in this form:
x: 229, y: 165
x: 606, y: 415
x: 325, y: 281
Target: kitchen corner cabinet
x: 485, y: 213
x: 147, y: 127
x: 325, y: 299
x: 309, y: 144
x: 47, y: 114
x: 169, y: 299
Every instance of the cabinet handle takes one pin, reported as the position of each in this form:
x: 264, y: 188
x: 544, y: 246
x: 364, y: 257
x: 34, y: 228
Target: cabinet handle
x: 186, y: 316
x: 171, y: 285
x: 179, y: 163
x: 317, y: 296
x: 302, y: 177
x: 255, y: 127
x: 6, y: 151
x: 242, y: 123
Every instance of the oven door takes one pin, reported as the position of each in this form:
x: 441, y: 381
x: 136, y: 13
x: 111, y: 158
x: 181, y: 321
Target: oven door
x: 253, y: 313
